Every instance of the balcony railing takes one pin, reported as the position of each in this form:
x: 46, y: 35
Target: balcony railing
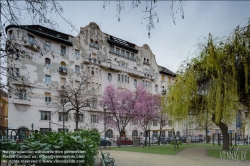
x: 63, y: 70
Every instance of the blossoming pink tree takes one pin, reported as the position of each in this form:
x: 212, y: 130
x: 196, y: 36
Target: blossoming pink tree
x: 120, y: 107
x: 124, y: 105
x: 147, y: 108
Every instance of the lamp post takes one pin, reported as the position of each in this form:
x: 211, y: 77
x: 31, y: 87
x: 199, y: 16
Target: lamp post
x: 149, y: 126
x: 32, y: 126
x: 63, y: 102
x: 104, y: 109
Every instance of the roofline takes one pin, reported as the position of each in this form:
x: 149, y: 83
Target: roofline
x: 41, y: 33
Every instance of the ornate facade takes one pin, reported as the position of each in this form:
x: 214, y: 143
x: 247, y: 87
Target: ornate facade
x: 42, y: 60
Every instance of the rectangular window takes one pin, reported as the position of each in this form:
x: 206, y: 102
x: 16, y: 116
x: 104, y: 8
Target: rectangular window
x: 61, y: 130
x: 132, y: 56
x: 44, y: 130
x: 122, y: 77
x: 170, y: 123
x: 128, y: 79
x: 135, y: 68
x: 63, y: 50
x: 118, y: 51
x: 127, y: 55
x: 111, y: 49
x: 94, y: 119
x: 47, y: 45
x: 10, y: 34
x: 122, y: 53
x: 135, y: 82
x: 80, y: 118
x: 31, y: 40
x: 169, y: 79
x: 92, y: 71
x: 63, y: 81
x: 47, y: 79
x: 119, y: 77
x: 47, y: 97
x: 61, y: 116
x: 77, y: 54
x: 45, y: 115
x: 154, y: 123
x: 125, y: 78
x: 155, y: 134
x: 163, y: 134
x: 162, y: 77
x: 77, y: 69
x: 22, y: 94
x: 17, y: 74
x: 47, y: 62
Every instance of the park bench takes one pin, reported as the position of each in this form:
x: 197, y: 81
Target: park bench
x: 107, y: 160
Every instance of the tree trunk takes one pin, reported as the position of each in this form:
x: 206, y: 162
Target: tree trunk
x: 159, y: 138
x: 206, y: 134
x: 224, y: 129
x: 76, y: 119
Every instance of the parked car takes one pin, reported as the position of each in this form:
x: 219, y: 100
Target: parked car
x: 166, y: 140
x: 246, y: 141
x: 104, y: 142
x: 193, y: 139
x: 153, y: 140
x: 124, y: 141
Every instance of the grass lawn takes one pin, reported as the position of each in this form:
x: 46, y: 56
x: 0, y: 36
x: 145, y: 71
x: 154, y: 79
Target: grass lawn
x: 169, y: 149
x: 162, y: 149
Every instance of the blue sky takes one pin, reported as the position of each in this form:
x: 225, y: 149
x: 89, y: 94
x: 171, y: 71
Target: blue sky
x: 170, y: 43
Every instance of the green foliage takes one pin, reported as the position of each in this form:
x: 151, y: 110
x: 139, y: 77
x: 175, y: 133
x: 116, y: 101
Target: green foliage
x: 81, y: 140
x: 216, y: 81
x: 173, y: 142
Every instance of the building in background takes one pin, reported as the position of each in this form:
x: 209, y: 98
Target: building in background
x: 3, y: 110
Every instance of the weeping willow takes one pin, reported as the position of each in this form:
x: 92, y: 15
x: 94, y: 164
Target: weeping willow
x: 216, y: 81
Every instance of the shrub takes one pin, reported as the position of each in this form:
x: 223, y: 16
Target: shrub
x: 81, y: 140
x: 178, y: 142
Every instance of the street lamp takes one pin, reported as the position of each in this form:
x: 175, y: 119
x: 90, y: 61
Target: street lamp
x: 149, y: 126
x: 63, y: 102
x: 32, y: 126
x: 105, y: 108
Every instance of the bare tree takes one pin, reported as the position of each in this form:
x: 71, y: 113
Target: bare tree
x: 151, y: 16
x: 17, y: 12
x: 73, y: 99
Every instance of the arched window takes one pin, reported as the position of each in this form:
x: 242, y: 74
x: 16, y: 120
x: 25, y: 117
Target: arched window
x: 47, y: 62
x: 135, y: 133
x: 135, y: 82
x: 156, y: 88
x: 109, y: 77
x: 109, y: 133
x: 91, y: 42
x: 63, y: 64
x: 77, y: 69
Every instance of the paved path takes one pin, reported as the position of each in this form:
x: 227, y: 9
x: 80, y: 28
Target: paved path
x: 187, y: 157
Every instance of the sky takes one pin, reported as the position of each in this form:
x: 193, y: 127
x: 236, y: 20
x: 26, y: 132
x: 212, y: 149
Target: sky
x: 171, y: 43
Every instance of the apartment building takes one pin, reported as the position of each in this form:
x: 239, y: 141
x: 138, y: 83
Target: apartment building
x: 3, y: 110
x: 42, y: 60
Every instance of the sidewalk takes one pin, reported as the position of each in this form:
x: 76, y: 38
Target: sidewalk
x: 187, y: 157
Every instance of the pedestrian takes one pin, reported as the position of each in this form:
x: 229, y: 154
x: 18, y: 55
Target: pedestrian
x: 232, y: 149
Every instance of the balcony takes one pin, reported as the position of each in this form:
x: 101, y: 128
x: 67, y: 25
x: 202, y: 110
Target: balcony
x: 91, y: 60
x: 22, y: 105
x: 93, y: 45
x: 63, y: 70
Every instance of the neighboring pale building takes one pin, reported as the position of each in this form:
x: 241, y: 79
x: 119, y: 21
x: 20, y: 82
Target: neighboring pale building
x: 3, y: 110
x: 44, y: 59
